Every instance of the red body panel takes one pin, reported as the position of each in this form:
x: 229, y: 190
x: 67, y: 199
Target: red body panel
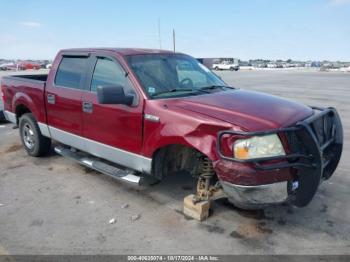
x: 21, y: 92
x: 249, y: 110
x: 178, y: 126
x: 191, y: 121
x: 246, y: 174
x: 115, y: 125
x: 66, y: 113
x: 118, y: 126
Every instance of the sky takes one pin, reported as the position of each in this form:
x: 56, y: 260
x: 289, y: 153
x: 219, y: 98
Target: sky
x: 245, y: 29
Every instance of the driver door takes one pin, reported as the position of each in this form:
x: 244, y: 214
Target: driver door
x: 115, y: 130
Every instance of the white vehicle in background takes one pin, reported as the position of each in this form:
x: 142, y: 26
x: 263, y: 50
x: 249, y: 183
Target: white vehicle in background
x: 48, y: 66
x: 345, y: 69
x: 8, y: 66
x: 226, y: 66
x: 271, y: 65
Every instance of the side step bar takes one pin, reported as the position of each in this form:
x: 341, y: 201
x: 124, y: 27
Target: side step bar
x: 98, y: 165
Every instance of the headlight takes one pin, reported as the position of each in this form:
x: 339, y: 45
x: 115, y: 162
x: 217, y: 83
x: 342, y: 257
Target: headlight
x: 258, y: 146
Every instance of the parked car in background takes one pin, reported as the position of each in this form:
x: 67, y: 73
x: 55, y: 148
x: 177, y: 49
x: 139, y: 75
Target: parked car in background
x: 42, y: 65
x: 261, y: 65
x: 225, y: 66
x: 345, y: 69
x: 29, y: 65
x: 8, y: 66
x: 48, y: 66
x: 271, y: 65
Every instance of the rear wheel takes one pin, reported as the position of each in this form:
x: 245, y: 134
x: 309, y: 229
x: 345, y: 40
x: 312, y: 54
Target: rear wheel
x: 33, y: 141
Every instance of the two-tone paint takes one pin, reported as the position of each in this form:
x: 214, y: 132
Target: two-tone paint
x: 131, y: 135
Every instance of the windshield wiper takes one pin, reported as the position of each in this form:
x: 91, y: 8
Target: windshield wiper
x: 213, y: 87
x: 173, y: 90
x: 203, y: 89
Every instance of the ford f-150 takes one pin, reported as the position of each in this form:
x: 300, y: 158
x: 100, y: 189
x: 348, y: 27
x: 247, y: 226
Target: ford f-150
x: 133, y: 113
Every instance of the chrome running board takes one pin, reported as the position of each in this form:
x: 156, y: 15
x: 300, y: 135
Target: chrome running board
x: 98, y: 165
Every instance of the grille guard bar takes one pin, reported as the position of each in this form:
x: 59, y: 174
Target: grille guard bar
x: 311, y: 139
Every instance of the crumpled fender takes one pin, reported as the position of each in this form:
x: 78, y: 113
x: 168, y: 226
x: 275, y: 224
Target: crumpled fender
x: 182, y: 128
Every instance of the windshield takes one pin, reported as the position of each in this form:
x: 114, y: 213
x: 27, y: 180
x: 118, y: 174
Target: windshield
x: 169, y: 75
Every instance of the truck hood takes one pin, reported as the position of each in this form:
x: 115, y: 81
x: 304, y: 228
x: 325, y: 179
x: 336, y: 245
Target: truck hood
x: 251, y: 111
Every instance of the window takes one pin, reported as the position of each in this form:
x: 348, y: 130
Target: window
x: 71, y: 71
x: 186, y: 72
x: 170, y: 75
x: 109, y: 73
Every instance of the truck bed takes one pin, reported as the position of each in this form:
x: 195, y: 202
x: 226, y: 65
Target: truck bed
x: 26, y: 90
x: 41, y: 77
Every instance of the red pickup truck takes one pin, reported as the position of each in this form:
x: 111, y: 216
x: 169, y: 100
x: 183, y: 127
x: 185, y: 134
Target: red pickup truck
x: 133, y: 113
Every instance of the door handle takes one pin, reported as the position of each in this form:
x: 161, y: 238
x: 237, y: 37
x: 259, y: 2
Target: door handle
x: 87, y: 107
x: 51, y: 99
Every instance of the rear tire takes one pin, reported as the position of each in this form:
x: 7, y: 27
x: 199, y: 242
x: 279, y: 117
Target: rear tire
x: 33, y: 141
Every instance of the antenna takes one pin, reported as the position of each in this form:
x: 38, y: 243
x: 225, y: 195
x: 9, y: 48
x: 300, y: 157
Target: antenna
x: 159, y: 36
x: 174, y: 45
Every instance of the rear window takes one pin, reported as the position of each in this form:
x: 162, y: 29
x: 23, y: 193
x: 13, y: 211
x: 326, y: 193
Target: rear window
x: 70, y: 72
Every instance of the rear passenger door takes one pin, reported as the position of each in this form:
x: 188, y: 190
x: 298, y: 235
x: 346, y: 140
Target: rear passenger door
x: 63, y: 98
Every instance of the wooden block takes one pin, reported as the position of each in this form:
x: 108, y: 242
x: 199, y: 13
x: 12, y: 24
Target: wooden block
x: 199, y: 211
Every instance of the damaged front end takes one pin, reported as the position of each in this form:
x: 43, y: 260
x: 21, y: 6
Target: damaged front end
x: 314, y: 150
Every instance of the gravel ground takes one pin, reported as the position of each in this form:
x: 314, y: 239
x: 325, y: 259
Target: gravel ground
x: 53, y: 206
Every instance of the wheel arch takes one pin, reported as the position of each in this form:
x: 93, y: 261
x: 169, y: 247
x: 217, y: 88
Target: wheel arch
x: 174, y: 157
x: 22, y: 103
x: 20, y: 110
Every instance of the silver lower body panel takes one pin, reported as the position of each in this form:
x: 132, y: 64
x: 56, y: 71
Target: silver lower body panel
x: 11, y: 117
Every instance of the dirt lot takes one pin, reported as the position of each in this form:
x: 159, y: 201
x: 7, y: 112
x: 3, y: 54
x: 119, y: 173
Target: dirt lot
x: 53, y: 206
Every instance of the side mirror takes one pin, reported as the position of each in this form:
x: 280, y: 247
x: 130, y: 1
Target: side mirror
x: 113, y: 95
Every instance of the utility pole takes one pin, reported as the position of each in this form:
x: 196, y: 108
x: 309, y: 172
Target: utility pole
x: 174, y: 40
x: 159, y: 35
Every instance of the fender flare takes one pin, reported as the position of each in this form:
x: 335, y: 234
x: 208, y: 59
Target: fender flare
x: 25, y: 100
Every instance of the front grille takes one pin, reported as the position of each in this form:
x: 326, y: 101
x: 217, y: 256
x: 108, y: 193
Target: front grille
x: 294, y: 143
x: 321, y: 137
x: 322, y: 128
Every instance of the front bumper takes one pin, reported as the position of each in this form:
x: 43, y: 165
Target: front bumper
x: 252, y: 197
x: 315, y: 147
